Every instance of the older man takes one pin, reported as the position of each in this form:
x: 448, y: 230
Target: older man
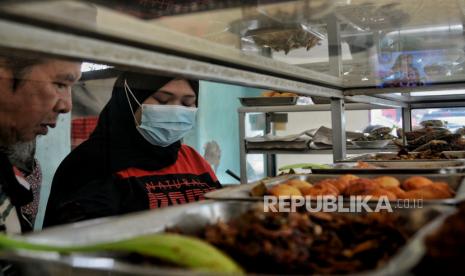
x: 33, y: 92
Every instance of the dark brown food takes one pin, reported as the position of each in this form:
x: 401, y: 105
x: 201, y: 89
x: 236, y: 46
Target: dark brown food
x: 435, y: 139
x: 445, y: 248
x: 284, y: 39
x: 403, y: 154
x: 308, y: 243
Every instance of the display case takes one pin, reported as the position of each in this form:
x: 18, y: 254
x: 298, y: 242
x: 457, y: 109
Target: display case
x: 381, y: 52
x: 386, y: 53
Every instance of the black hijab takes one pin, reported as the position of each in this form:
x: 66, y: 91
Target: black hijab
x: 116, y: 144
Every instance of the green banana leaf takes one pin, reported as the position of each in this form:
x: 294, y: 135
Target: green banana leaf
x: 304, y: 166
x: 181, y: 250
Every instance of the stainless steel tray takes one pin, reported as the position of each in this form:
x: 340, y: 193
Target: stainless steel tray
x: 411, y: 167
x: 370, y: 157
x: 242, y: 192
x: 264, y: 101
x: 189, y: 217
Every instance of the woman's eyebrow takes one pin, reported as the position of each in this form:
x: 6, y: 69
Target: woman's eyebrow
x: 171, y: 94
x: 165, y: 92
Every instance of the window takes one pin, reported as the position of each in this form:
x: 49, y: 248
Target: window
x: 453, y: 118
x: 386, y: 117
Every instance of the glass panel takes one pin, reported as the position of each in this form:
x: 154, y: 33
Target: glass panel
x: 255, y: 163
x: 453, y: 118
x: 437, y: 93
x: 384, y: 43
x: 386, y: 117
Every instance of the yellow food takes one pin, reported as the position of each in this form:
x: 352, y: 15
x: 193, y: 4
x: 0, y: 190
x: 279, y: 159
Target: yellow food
x: 286, y: 94
x: 416, y: 182
x: 284, y: 190
x: 387, y: 181
x: 379, y: 193
x: 299, y: 184
x: 360, y: 186
x: 268, y: 93
x: 321, y: 190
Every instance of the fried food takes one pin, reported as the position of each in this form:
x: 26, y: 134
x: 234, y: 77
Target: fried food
x: 416, y: 182
x: 278, y: 94
x: 284, y: 190
x: 379, y: 193
x: 287, y: 94
x: 333, y: 183
x: 387, y: 181
x: 397, y: 191
x: 428, y: 192
x: 321, y: 189
x: 308, y: 243
x: 299, y: 184
x: 267, y: 93
x: 364, y: 165
x: 360, y: 186
x: 414, y: 187
x: 444, y: 187
x: 348, y: 177
x: 444, y: 248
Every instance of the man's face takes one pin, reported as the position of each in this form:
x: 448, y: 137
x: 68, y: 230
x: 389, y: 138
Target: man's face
x: 34, y: 106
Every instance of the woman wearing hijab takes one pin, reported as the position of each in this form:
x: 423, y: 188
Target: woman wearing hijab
x: 134, y: 160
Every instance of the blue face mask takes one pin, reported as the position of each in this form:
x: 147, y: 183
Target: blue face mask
x: 162, y: 125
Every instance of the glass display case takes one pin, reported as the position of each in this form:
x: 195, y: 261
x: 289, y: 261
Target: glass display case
x: 338, y: 43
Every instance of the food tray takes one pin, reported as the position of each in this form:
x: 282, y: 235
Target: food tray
x: 242, y: 192
x: 368, y: 157
x: 264, y: 101
x: 387, y: 167
x: 188, y: 218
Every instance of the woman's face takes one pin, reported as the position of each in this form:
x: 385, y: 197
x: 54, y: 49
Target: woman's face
x: 175, y: 92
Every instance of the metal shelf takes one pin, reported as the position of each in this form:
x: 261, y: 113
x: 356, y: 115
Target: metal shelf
x: 110, y: 25
x: 305, y: 108
x: 24, y: 38
x: 77, y: 30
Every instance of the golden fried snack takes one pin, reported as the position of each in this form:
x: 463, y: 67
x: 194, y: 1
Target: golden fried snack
x: 397, y: 191
x: 387, y: 181
x: 320, y: 191
x: 284, y: 190
x: 344, y: 181
x: 360, y: 186
x: 443, y: 189
x: 288, y: 94
x: 333, y: 183
x: 377, y: 193
x: 416, y: 182
x: 299, y: 184
x: 364, y: 165
x: 348, y: 177
x: 328, y: 186
x: 426, y: 192
x: 268, y: 93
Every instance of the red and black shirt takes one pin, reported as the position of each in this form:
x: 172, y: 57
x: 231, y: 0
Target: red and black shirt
x: 185, y: 181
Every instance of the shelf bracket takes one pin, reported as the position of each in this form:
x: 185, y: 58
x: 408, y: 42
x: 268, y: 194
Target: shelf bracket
x: 338, y: 125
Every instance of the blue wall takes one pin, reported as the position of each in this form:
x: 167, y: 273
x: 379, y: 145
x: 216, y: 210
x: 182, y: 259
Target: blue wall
x: 51, y: 150
x: 217, y: 120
